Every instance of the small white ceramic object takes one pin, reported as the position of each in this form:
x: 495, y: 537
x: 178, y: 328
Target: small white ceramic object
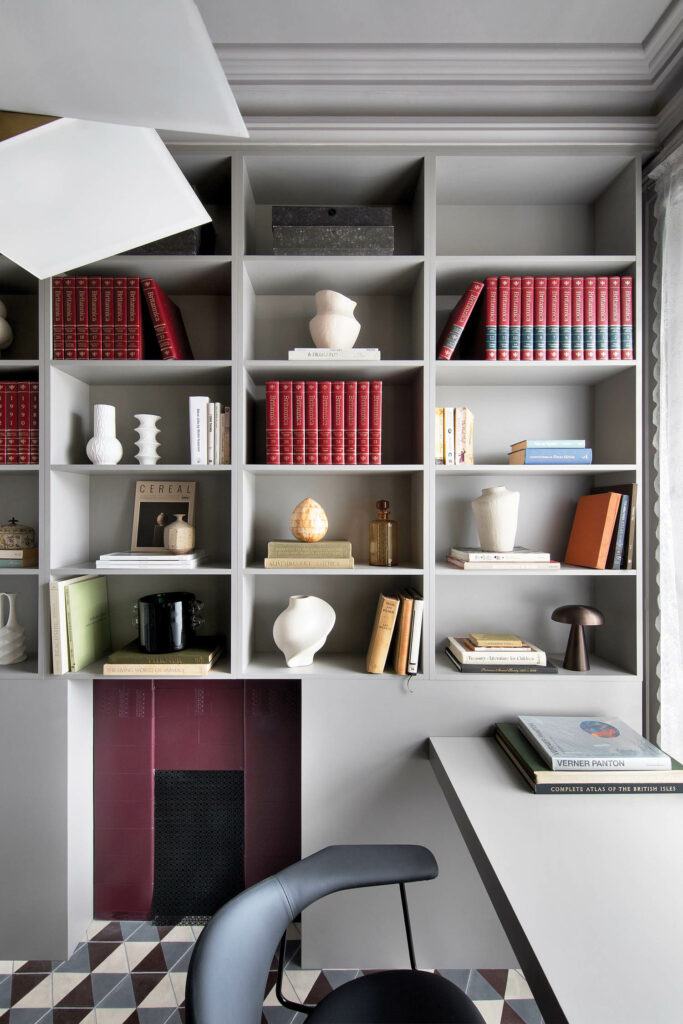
x: 308, y: 521
x: 104, y: 448
x: 179, y: 535
x: 334, y: 325
x: 302, y: 628
x: 12, y: 636
x: 147, y: 444
x: 6, y: 333
x: 495, y: 511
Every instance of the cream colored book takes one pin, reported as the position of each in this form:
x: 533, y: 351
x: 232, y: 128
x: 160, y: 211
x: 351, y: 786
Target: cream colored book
x: 58, y: 627
x: 382, y: 632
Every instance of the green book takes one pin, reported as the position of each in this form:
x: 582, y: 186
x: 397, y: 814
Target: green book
x: 313, y: 549
x: 203, y: 651
x: 87, y: 621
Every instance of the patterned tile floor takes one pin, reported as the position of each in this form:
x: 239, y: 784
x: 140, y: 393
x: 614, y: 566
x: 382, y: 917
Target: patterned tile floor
x: 133, y: 972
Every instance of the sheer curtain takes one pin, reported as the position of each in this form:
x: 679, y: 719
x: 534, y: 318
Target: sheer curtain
x: 668, y: 396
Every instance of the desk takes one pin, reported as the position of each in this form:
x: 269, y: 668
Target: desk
x: 589, y: 889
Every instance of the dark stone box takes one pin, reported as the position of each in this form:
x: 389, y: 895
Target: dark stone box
x: 343, y: 240
x: 331, y: 216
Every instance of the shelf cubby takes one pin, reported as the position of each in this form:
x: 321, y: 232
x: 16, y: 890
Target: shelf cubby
x: 23, y: 583
x: 19, y: 292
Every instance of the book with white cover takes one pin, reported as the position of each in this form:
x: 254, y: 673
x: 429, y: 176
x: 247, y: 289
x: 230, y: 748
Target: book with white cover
x: 357, y: 355
x: 570, y: 743
x: 415, y: 632
x: 518, y: 554
x: 495, y: 656
x: 199, y: 425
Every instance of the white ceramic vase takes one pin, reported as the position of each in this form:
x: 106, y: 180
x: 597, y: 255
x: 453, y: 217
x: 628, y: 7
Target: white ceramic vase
x: 6, y: 334
x: 495, y: 512
x: 12, y: 636
x: 104, y: 448
x: 147, y: 444
x: 179, y: 536
x: 302, y: 628
x: 334, y: 325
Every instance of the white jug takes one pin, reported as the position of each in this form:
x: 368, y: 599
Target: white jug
x: 12, y: 637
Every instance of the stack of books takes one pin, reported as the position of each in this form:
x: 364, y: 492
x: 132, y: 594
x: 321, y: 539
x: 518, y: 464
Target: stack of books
x: 18, y: 422
x: 321, y: 355
x: 544, y: 318
x: 324, y: 422
x: 210, y: 426
x: 454, y: 436
x: 154, y: 563
x: 603, y: 531
x: 104, y: 318
x: 497, y: 652
x: 396, y: 633
x: 563, y: 754
x: 195, y: 660
x: 319, y: 554
x: 519, y: 559
x: 550, y: 452
x: 79, y: 614
x: 18, y: 558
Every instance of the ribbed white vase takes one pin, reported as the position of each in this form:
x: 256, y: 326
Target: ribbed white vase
x: 495, y: 511
x: 147, y: 444
x: 302, y: 628
x: 104, y: 448
x: 12, y: 635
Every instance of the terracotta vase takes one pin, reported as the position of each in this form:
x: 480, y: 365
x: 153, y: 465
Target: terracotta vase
x: 104, y: 448
x: 302, y: 628
x: 334, y: 325
x: 495, y: 511
x: 12, y: 636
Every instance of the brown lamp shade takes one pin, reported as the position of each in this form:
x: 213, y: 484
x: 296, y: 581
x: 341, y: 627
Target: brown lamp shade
x: 577, y: 616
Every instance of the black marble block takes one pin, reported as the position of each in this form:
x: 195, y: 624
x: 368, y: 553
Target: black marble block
x: 330, y: 216
x: 184, y: 243
x: 333, y: 241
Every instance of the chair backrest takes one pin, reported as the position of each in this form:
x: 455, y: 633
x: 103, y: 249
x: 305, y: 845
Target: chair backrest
x: 229, y: 968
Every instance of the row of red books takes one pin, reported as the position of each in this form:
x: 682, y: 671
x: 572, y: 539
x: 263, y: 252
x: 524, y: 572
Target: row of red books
x: 545, y: 318
x: 105, y: 318
x: 18, y: 422
x: 327, y: 422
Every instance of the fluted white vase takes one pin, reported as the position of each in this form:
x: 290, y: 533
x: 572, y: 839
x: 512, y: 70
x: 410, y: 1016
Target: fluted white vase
x: 12, y: 635
x: 496, y: 511
x: 104, y: 448
x: 334, y: 325
x: 302, y: 628
x: 6, y: 333
x: 147, y: 444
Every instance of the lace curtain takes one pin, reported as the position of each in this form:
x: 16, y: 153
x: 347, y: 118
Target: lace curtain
x: 668, y: 396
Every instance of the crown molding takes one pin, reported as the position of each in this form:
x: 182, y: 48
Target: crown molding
x: 663, y: 49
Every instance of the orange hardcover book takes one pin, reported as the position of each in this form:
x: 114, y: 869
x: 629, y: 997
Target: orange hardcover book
x: 592, y: 529
x: 402, y: 642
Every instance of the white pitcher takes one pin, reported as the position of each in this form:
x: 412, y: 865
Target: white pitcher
x: 12, y: 637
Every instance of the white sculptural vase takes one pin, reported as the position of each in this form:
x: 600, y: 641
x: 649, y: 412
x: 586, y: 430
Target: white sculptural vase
x: 302, y: 628
x: 334, y: 325
x: 495, y: 512
x: 6, y: 333
x: 147, y: 444
x: 12, y: 636
x: 103, y: 448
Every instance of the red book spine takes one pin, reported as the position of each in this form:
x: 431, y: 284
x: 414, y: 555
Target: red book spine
x: 527, y: 344
x: 565, y: 319
x: 69, y: 317
x: 325, y: 422
x: 503, y: 333
x: 95, y: 317
x: 57, y: 317
x: 3, y: 423
x: 515, y: 318
x: 552, y: 334
x: 491, y: 318
x: 614, y: 313
x: 602, y: 319
x: 363, y: 427
x: 82, y: 346
x: 450, y: 335
x: 134, y: 318
x: 540, y: 316
x: 11, y: 424
x: 167, y: 320
x: 577, y: 318
x: 589, y: 318
x: 311, y: 410
x: 350, y: 421
x: 338, y: 422
x: 120, y: 319
x: 376, y: 423
x: 23, y: 421
x: 627, y: 318
x: 107, y: 317
x: 286, y: 423
x: 272, y: 422
x: 299, y: 423
x: 33, y: 438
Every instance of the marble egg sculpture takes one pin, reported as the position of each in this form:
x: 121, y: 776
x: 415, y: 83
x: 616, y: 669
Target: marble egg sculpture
x: 308, y: 521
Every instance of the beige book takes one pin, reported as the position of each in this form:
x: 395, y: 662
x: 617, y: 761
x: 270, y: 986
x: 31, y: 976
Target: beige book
x: 382, y: 632
x: 403, y: 630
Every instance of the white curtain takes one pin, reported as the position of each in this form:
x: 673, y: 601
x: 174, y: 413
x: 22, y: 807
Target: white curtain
x: 668, y: 395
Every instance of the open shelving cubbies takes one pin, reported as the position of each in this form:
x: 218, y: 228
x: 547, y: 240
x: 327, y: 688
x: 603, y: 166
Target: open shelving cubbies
x: 459, y: 214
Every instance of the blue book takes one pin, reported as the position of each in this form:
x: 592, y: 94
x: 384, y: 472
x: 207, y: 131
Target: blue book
x: 551, y: 456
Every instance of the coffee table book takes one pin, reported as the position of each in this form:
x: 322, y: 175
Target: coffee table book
x: 568, y: 742
x: 502, y: 669
x: 197, y: 659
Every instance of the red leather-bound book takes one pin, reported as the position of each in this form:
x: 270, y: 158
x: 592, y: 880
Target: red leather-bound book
x: 95, y: 317
x: 552, y: 332
x: 577, y: 318
x: 350, y: 421
x: 627, y: 318
x: 23, y: 421
x: 167, y: 321
x: 602, y: 319
x: 455, y: 324
x: 540, y: 316
x: 515, y: 318
x: 311, y: 422
x: 363, y: 423
x: 272, y: 422
x: 34, y: 422
x: 3, y: 422
x: 491, y: 318
x: 325, y: 422
x: 527, y: 345
x: 57, y: 317
x: 11, y: 439
x: 614, y: 313
x: 134, y: 345
x: 82, y: 347
x: 376, y: 423
x: 589, y: 318
x: 120, y: 318
x: 286, y: 423
x: 503, y: 332
x: 107, y: 317
x: 565, y: 319
x: 338, y: 422
x: 69, y: 317
x: 299, y: 422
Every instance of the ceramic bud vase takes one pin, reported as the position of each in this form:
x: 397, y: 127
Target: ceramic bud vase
x: 179, y: 536
x: 12, y: 637
x: 6, y: 334
x: 104, y: 448
x: 302, y: 628
x: 334, y: 325
x: 495, y: 512
x: 147, y: 444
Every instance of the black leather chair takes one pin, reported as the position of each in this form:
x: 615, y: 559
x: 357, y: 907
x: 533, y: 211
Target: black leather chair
x: 229, y: 967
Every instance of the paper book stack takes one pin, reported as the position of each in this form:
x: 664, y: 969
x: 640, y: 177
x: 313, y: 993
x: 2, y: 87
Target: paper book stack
x: 320, y: 554
x: 322, y: 355
x: 603, y: 531
x: 396, y: 633
x: 197, y: 659
x: 155, y: 563
x: 209, y: 432
x: 564, y: 754
x: 518, y: 560
x: 489, y: 653
x: 550, y: 452
x: 18, y: 558
x: 454, y: 436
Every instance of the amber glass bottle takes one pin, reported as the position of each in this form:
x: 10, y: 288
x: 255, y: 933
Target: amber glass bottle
x: 383, y: 537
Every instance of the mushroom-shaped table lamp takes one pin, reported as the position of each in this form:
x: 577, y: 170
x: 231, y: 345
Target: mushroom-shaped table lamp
x: 578, y: 616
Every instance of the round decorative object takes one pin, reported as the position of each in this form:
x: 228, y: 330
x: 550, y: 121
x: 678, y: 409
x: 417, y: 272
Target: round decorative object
x: 308, y: 521
x: 334, y: 325
x: 6, y: 333
x: 104, y: 449
x: 302, y: 628
x: 495, y: 513
x: 577, y: 616
x: 147, y: 444
x: 15, y: 536
x: 179, y: 536
x: 12, y: 636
